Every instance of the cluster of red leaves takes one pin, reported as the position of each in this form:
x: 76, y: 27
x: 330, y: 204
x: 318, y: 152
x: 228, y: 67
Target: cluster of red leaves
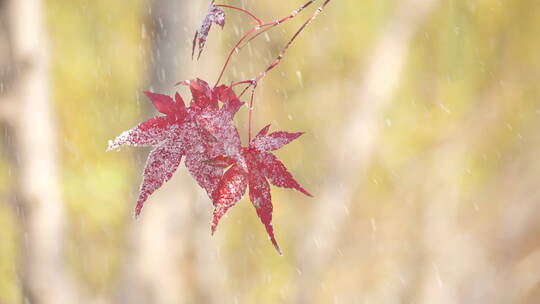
x: 205, y: 134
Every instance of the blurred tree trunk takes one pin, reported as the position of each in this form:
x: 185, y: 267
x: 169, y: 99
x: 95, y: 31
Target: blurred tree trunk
x: 461, y: 263
x: 167, y: 261
x: 376, y: 86
x: 28, y: 111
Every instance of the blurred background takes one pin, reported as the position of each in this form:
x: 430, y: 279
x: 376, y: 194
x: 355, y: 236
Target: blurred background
x: 422, y: 121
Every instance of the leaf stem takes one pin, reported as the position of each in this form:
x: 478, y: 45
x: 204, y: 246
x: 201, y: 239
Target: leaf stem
x: 234, y: 49
x: 286, y: 47
x: 266, y: 29
x: 241, y: 82
x: 259, y: 21
x: 245, y: 89
x: 254, y: 86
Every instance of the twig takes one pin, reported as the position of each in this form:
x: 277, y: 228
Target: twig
x: 284, y: 50
x: 256, y: 28
x: 229, y: 56
x: 281, y: 54
x: 292, y: 15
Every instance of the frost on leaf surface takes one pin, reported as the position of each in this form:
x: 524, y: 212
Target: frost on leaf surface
x: 202, y: 145
x: 273, y: 141
x: 201, y: 132
x: 149, y: 133
x: 161, y: 164
x: 255, y: 168
x: 230, y: 190
x: 213, y: 15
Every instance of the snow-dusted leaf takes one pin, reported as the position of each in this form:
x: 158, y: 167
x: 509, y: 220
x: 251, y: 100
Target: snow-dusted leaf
x: 273, y: 141
x: 277, y: 173
x: 231, y: 189
x: 162, y: 163
x: 201, y: 91
x: 259, y: 194
x: 202, y: 148
x: 219, y: 123
x: 148, y: 133
x: 221, y: 126
x: 166, y: 105
x: 231, y: 103
x: 255, y: 166
x: 201, y: 132
x: 263, y: 131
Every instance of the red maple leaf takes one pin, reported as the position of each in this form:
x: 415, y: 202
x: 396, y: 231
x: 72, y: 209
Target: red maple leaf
x: 200, y: 132
x: 213, y: 15
x: 260, y: 167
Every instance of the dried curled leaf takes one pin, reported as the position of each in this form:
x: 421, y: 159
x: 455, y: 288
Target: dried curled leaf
x: 213, y: 15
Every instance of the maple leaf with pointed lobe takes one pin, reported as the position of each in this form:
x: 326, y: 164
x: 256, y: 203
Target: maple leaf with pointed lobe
x: 213, y: 15
x: 197, y: 132
x: 260, y: 167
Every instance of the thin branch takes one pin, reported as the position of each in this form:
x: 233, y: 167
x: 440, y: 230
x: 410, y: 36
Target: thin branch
x: 292, y: 15
x: 229, y: 56
x: 268, y: 25
x: 259, y: 26
x: 266, y: 29
x: 284, y: 50
x: 245, y: 89
x: 280, y: 57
